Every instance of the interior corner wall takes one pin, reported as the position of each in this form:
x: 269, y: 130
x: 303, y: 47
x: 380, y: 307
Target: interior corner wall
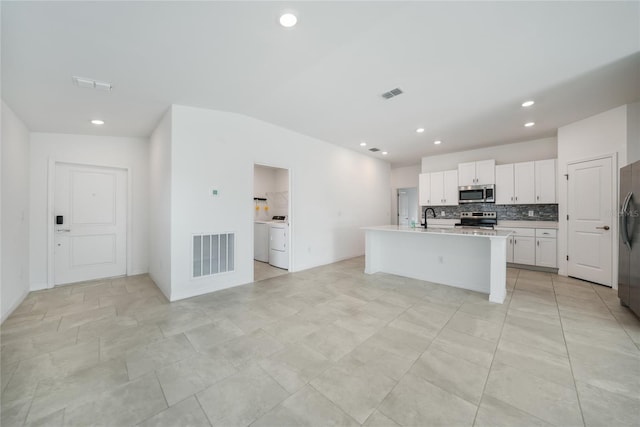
x: 14, y: 285
x: 633, y: 132
x: 121, y: 152
x: 599, y: 135
x: 402, y: 177
x: 334, y: 192
x: 160, y: 206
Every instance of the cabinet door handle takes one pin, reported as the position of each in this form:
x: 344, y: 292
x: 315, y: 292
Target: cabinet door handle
x: 537, y: 197
x: 538, y: 242
x: 512, y: 198
x: 515, y: 241
x: 606, y: 227
x: 516, y: 197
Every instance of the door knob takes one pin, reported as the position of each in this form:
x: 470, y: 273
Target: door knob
x: 606, y: 227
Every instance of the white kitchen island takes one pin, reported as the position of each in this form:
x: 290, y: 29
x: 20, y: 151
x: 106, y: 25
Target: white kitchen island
x: 464, y: 258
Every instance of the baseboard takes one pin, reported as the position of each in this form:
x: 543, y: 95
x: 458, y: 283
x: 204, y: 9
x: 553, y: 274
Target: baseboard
x: 533, y: 268
x: 15, y: 305
x: 38, y: 286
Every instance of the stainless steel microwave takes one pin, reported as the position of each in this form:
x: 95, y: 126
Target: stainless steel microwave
x: 477, y: 194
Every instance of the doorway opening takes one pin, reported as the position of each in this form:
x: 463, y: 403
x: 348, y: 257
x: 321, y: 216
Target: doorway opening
x: 271, y: 222
x: 408, y: 209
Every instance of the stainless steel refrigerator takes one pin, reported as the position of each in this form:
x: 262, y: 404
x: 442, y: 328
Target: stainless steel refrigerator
x: 629, y: 241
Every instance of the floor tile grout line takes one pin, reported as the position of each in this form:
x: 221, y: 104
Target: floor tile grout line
x: 334, y: 403
x: 493, y: 357
x: 412, y: 365
x: 614, y: 316
x: 564, y: 338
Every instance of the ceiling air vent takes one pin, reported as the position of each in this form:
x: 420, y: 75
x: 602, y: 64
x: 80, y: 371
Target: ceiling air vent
x: 374, y: 149
x: 393, y: 92
x: 91, y: 83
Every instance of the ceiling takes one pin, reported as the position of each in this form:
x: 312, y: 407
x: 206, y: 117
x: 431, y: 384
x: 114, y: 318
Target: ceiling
x: 464, y: 67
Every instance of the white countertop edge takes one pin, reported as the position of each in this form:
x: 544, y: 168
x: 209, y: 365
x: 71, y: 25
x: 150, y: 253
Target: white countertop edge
x: 501, y: 234
x: 506, y: 224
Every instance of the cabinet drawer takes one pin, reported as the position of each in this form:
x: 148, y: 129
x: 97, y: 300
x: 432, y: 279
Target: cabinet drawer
x: 525, y: 232
x: 546, y: 232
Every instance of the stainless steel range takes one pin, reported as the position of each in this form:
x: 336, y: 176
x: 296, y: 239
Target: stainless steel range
x: 483, y: 220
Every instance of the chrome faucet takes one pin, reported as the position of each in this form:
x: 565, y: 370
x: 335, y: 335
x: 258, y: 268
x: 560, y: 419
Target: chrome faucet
x: 425, y: 215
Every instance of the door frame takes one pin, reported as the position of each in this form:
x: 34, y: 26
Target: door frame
x: 289, y: 213
x: 51, y: 185
x: 615, y: 171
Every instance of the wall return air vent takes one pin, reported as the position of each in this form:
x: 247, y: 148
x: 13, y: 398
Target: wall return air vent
x: 393, y: 92
x: 213, y: 254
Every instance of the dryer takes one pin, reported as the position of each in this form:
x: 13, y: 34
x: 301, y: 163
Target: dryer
x: 279, y: 242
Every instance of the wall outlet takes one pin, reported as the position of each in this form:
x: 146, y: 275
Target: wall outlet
x: 214, y: 193
x: 442, y: 213
x: 530, y: 213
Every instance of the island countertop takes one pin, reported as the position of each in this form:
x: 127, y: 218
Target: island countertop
x: 440, y: 230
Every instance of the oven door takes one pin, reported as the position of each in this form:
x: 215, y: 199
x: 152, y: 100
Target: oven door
x: 471, y: 194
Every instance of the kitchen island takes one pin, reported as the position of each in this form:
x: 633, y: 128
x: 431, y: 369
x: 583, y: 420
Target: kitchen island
x: 464, y: 258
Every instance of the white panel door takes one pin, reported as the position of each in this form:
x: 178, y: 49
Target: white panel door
x: 486, y: 172
x: 504, y: 184
x: 425, y: 189
x: 91, y: 241
x: 450, y: 188
x: 437, y: 188
x: 467, y: 173
x: 546, y: 181
x: 403, y: 208
x: 524, y: 183
x: 590, y: 199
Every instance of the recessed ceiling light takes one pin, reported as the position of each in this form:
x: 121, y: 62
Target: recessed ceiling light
x: 363, y: 144
x: 384, y: 153
x: 437, y: 142
x: 420, y: 130
x: 288, y: 20
x: 97, y: 122
x: 528, y: 103
x: 528, y: 125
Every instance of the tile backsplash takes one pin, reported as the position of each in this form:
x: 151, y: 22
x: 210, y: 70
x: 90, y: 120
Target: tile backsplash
x: 505, y: 212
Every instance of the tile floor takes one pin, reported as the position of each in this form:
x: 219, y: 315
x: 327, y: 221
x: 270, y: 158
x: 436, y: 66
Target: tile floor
x: 263, y: 270
x: 327, y: 346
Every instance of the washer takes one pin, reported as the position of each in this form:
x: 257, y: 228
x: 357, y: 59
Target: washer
x: 279, y: 242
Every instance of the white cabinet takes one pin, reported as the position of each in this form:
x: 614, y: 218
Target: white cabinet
x: 546, y: 181
x: 524, y: 183
x: 546, y: 248
x: 451, y: 188
x: 504, y: 184
x: 476, y: 173
x: 443, y: 188
x: 531, y: 246
x: 424, y: 189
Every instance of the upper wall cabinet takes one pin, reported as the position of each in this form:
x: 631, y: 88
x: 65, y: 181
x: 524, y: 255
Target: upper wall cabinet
x: 477, y: 173
x: 526, y: 183
x: 438, y: 188
x: 424, y: 189
x: 546, y: 181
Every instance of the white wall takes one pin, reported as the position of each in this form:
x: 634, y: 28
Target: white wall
x: 633, y: 132
x: 160, y: 205
x: 403, y: 177
x: 132, y: 153
x: 15, y: 212
x: 335, y: 191
x: 537, y: 149
x: 603, y: 134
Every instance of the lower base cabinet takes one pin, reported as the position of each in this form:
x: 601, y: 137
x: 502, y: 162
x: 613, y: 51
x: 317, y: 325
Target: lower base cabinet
x: 530, y: 246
